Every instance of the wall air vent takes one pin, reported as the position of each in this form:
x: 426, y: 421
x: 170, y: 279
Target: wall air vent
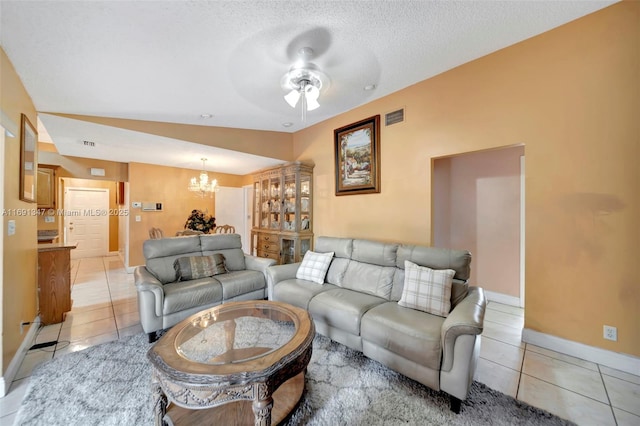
x: 89, y: 143
x: 394, y: 117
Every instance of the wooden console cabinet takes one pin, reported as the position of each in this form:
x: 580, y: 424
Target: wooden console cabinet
x: 54, y: 282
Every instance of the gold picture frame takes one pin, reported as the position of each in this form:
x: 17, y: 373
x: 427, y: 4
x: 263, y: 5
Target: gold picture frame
x: 28, y: 160
x: 357, y: 157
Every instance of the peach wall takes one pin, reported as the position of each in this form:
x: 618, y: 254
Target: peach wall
x: 571, y: 96
x: 166, y: 185
x: 19, y: 256
x: 476, y: 206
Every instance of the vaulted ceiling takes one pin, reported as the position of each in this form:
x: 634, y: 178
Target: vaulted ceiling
x: 220, y: 63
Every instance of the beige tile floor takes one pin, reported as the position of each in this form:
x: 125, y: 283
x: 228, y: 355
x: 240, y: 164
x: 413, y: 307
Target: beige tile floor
x: 105, y: 309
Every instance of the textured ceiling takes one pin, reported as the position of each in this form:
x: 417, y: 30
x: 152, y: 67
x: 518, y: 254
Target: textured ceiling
x: 173, y: 61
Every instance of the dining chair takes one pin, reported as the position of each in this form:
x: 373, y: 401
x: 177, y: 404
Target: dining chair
x: 225, y: 229
x: 156, y: 233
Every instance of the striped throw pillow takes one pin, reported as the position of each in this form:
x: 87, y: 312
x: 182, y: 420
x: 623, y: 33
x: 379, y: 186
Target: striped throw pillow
x: 427, y: 289
x: 314, y: 266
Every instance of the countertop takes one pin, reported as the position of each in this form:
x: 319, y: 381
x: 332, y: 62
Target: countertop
x: 56, y: 246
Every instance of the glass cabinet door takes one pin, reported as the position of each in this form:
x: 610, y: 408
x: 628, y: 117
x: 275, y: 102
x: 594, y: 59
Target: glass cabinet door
x: 264, y: 204
x: 289, y: 204
x: 275, y: 204
x: 305, y: 202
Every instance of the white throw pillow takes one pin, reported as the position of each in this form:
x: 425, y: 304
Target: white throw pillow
x: 314, y: 266
x: 427, y: 289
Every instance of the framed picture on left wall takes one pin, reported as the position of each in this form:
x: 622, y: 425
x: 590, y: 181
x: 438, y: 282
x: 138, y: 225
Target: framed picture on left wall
x: 28, y: 160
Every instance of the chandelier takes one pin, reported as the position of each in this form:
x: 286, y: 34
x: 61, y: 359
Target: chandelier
x: 203, y: 186
x: 304, y: 81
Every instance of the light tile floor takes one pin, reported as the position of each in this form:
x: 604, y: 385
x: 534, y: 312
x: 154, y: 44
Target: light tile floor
x: 105, y: 309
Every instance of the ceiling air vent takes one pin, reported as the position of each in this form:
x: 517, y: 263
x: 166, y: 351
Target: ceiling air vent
x: 394, y: 117
x: 89, y: 143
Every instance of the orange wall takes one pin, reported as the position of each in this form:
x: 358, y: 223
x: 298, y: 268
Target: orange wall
x: 19, y: 256
x: 572, y: 97
x: 166, y: 185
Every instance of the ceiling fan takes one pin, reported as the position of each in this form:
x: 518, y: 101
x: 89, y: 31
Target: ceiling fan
x: 304, y: 81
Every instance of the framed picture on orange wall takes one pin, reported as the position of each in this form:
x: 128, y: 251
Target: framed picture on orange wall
x: 357, y: 155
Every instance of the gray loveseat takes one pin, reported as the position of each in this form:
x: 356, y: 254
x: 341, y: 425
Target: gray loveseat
x: 163, y: 301
x: 358, y: 306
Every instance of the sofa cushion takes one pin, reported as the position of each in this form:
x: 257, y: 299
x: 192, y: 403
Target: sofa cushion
x: 194, y: 267
x: 314, y: 266
x: 341, y: 247
x: 229, y: 245
x: 298, y: 292
x: 372, y: 279
x: 412, y: 334
x: 160, y: 254
x: 337, y: 271
x: 240, y: 282
x: 342, y: 308
x: 437, y: 258
x: 374, y: 252
x: 427, y: 289
x: 189, y: 294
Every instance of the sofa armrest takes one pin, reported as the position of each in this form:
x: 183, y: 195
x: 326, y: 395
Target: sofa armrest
x: 278, y: 273
x: 259, y: 264
x: 146, y: 282
x: 467, y: 318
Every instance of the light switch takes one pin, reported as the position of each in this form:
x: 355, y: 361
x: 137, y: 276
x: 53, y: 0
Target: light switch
x: 11, y: 227
x: 138, y: 218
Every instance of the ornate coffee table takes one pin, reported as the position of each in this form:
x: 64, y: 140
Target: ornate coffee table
x: 246, y: 359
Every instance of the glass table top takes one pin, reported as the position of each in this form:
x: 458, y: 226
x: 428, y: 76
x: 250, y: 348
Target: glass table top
x: 224, y: 335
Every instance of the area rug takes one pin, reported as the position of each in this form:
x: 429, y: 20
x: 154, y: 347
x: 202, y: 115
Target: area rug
x: 109, y: 384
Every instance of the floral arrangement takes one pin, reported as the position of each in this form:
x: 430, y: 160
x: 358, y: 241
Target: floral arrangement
x: 199, y: 221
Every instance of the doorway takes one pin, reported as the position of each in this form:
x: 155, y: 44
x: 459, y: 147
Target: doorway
x: 86, y: 221
x: 478, y: 201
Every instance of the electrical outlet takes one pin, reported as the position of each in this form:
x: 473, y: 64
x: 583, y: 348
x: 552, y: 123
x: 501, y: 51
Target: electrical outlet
x: 610, y: 333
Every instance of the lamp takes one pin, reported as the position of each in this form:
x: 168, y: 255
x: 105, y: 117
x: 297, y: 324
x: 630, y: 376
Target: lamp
x: 202, y: 185
x: 304, y: 82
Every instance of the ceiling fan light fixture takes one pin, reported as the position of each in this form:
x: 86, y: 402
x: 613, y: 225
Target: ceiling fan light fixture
x: 305, y: 82
x: 292, y: 98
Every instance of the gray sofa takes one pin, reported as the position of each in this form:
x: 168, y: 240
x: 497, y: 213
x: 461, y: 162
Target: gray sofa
x: 357, y: 306
x: 163, y: 301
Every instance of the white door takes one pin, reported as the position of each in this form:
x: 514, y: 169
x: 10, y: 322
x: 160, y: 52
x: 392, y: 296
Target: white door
x: 230, y: 211
x: 86, y: 221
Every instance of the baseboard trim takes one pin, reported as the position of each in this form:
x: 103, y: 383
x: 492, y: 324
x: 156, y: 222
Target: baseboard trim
x: 623, y: 362
x: 505, y: 299
x: 14, y: 365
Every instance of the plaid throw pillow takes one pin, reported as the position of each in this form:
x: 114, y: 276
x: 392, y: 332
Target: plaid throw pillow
x: 427, y: 289
x: 314, y: 266
x: 194, y: 267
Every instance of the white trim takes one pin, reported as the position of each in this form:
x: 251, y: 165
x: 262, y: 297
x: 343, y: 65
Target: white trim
x: 615, y: 360
x: 505, y: 299
x: 14, y: 365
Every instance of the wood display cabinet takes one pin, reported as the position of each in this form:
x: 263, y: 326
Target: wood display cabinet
x: 282, y: 212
